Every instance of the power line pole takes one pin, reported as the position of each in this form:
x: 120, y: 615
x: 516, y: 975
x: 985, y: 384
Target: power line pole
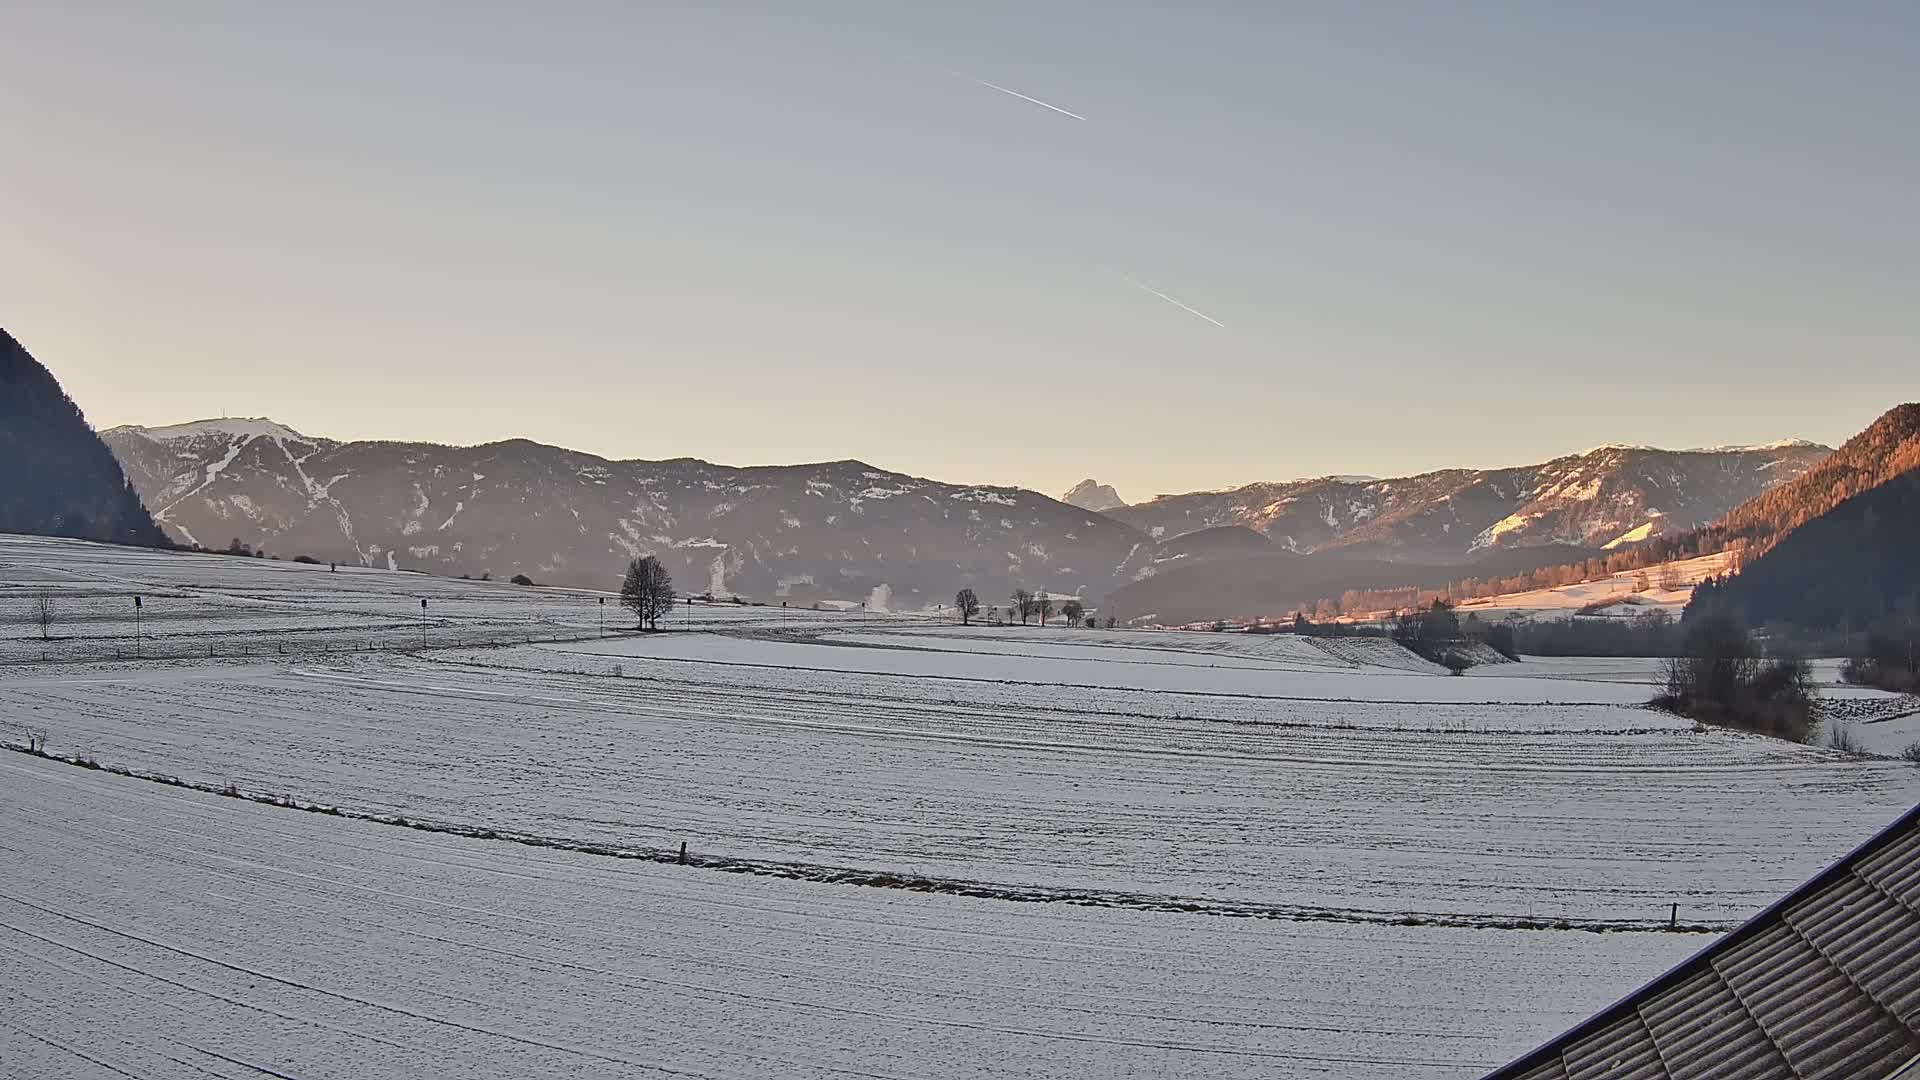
x: 137, y: 648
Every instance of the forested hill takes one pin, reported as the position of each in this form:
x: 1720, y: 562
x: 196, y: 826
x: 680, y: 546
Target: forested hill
x: 1888, y: 448
x: 1853, y: 567
x: 56, y: 477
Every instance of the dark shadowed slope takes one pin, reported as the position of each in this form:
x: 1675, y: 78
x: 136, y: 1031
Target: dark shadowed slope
x: 1854, y: 566
x: 56, y: 477
x: 1888, y: 447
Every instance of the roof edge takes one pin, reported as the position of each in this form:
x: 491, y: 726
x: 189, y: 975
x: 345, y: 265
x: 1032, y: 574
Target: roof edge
x: 1546, y: 1051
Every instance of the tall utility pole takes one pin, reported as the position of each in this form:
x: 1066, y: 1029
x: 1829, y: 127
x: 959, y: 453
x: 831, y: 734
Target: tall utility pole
x: 603, y: 616
x: 136, y: 625
x: 423, y: 622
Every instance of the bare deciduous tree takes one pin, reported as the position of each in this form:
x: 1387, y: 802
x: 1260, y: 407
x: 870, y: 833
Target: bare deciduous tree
x: 1043, y: 607
x: 648, y: 591
x: 1022, y: 605
x: 43, y: 614
x: 968, y: 605
x: 1073, y: 610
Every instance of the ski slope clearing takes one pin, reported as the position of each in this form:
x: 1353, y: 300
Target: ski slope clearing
x: 151, y: 932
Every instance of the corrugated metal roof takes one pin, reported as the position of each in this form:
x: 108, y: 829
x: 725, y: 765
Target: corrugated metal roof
x: 1825, y: 983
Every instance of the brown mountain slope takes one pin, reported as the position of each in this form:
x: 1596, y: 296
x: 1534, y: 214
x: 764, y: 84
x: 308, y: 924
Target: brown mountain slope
x: 1888, y: 447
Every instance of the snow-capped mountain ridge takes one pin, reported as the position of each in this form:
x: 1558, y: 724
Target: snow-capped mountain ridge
x: 1610, y: 495
x: 839, y: 530
x: 842, y: 530
x: 235, y: 427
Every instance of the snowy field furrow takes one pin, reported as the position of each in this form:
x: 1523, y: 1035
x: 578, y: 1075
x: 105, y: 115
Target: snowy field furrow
x: 150, y: 932
x: 1374, y: 818
x: 1108, y: 667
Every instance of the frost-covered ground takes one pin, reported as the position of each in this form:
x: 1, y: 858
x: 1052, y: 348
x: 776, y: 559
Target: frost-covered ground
x: 1379, y: 827
x: 152, y: 932
x: 209, y: 605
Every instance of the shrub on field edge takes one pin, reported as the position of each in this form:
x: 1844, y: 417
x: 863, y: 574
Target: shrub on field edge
x: 1840, y: 737
x: 1720, y: 679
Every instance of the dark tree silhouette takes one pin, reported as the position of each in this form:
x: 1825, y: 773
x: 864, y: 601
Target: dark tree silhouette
x: 1023, y: 605
x: 647, y: 591
x: 1073, y: 610
x: 968, y: 605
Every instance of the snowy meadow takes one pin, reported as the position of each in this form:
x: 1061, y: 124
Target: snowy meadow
x: 912, y: 849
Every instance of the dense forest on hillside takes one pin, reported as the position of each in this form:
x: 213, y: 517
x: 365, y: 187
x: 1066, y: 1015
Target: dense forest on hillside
x: 56, y: 477
x: 1854, y: 567
x: 1886, y: 449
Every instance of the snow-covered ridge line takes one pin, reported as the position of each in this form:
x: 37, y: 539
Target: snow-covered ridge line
x: 1730, y: 448
x: 239, y: 427
x: 1778, y: 444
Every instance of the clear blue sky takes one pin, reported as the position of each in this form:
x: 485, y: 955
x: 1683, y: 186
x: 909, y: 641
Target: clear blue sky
x: 775, y: 232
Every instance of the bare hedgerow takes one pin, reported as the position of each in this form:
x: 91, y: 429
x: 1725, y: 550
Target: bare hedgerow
x: 1720, y: 679
x: 1911, y: 753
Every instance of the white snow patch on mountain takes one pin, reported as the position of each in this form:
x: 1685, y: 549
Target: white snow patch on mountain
x: 1631, y: 536
x: 1491, y: 534
x: 245, y: 428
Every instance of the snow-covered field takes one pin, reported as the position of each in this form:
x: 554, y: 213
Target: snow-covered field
x: 151, y: 932
x: 207, y: 605
x: 1381, y: 830
x: 1670, y: 586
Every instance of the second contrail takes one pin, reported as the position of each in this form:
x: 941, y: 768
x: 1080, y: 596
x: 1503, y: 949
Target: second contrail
x: 1156, y: 292
x: 1014, y: 93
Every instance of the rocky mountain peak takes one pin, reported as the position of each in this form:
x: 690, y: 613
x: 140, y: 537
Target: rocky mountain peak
x: 1091, y: 495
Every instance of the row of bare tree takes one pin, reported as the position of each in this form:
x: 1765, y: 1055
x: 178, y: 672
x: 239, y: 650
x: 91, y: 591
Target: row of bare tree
x: 1023, y: 605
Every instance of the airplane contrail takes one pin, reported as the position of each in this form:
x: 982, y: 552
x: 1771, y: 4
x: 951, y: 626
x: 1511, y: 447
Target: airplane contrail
x: 1015, y: 93
x: 1168, y: 299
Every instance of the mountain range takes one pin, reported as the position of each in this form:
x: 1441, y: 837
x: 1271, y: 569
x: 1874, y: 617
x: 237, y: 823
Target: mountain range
x: 852, y: 533
x: 1607, y: 497
x: 837, y: 531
